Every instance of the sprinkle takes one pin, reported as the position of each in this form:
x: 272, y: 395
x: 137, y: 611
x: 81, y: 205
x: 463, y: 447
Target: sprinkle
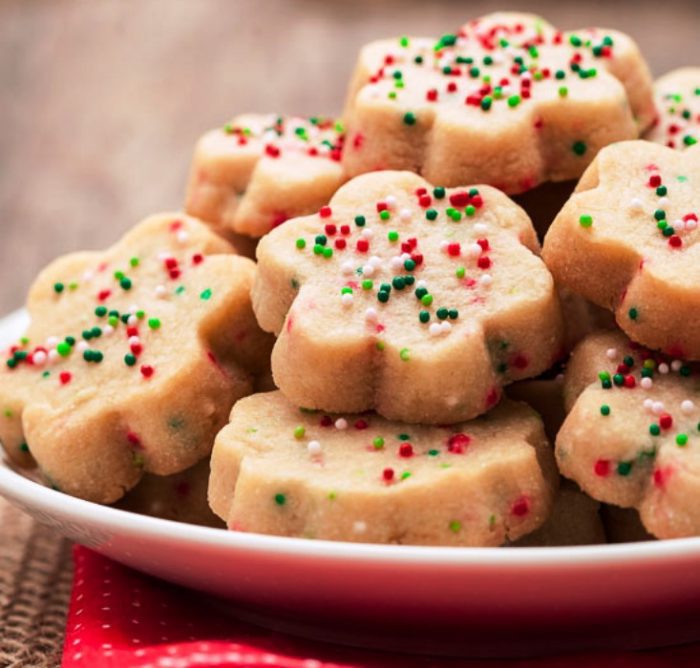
x: 359, y: 527
x: 378, y: 443
x: 409, y: 118
x: 687, y: 406
x: 341, y: 423
x: 585, y: 220
x: 58, y: 288
x: 404, y: 354
x: 455, y: 526
x: 314, y: 448
x: 579, y: 148
x: 154, y: 323
x: 605, y: 409
x: 280, y: 499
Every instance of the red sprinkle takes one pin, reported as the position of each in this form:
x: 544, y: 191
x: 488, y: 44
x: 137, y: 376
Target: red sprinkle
x: 457, y: 443
x: 147, y: 371
x: 325, y: 212
x: 665, y: 421
x: 361, y: 424
x: 388, y: 474
x: 406, y: 450
x: 483, y: 262
x: 453, y: 249
x: 602, y: 468
x: 326, y: 421
x: 520, y: 507
x: 65, y: 377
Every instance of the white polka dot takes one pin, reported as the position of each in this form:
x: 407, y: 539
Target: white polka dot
x: 646, y: 383
x: 341, y: 423
x: 359, y: 527
x: 687, y: 406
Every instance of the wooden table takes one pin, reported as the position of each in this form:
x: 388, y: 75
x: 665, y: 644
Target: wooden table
x: 102, y: 102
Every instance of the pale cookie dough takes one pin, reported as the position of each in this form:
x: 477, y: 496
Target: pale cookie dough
x: 133, y: 359
x: 181, y: 497
x: 627, y: 241
x: 575, y: 520
x: 632, y: 435
x: 259, y: 170
x: 678, y: 105
x: 507, y: 100
x: 408, y: 299
x: 277, y: 469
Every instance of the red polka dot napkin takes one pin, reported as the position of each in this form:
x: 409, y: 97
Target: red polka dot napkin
x: 120, y: 618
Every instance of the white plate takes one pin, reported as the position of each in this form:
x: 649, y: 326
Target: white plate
x: 476, y: 601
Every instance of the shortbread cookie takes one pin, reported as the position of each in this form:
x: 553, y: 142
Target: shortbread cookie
x: 259, y: 170
x: 678, y: 105
x: 622, y: 525
x: 278, y: 469
x: 408, y: 299
x: 632, y: 435
x: 133, y: 358
x: 181, y: 497
x: 626, y: 240
x: 507, y: 100
x: 575, y: 520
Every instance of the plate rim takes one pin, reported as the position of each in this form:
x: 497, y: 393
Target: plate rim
x: 36, y: 496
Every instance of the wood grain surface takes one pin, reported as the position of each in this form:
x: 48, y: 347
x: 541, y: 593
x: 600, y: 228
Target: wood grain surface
x: 102, y: 100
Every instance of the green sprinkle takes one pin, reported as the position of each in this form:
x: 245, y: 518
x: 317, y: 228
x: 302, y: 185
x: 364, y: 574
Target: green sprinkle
x: 654, y: 429
x: 405, y: 475
x: 442, y: 313
x: 398, y: 282
x: 327, y: 253
x: 438, y: 192
x: 409, y: 118
x: 403, y: 41
x: 154, y: 323
x: 367, y: 284
x: 605, y: 409
x: 514, y: 101
x: 470, y: 210
x: 661, y: 191
x: 125, y: 283
x: 58, y: 288
x: 431, y: 214
x: 129, y: 359
x: 579, y: 148
x: 633, y: 313
x: 346, y: 290
x: 385, y: 214
x: 420, y: 292
x: 378, y: 443
x: 134, y: 262
x: 23, y: 447
x: 424, y: 316
x: 433, y: 453
x: 459, y: 273
x: 299, y: 432
x: 101, y: 311
x: 205, y: 294
x: 393, y: 236
x: 682, y: 440
x: 383, y: 296
x: 624, y: 468
x: 486, y: 101
x: 63, y: 349
x: 280, y: 499
x: 360, y: 221
x: 404, y: 437
x: 301, y: 243
x: 455, y: 526
x: 409, y: 265
x: 660, y: 214
x: 563, y: 91
x: 404, y: 354
x: 586, y: 220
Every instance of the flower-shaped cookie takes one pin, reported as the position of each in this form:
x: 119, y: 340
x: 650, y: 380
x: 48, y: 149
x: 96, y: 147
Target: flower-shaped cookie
x: 678, y: 103
x: 632, y: 436
x: 259, y: 170
x: 133, y: 359
x: 280, y: 470
x: 508, y: 100
x: 627, y: 240
x: 412, y: 300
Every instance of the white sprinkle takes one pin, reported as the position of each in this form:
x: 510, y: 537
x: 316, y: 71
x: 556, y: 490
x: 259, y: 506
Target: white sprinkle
x: 375, y: 260
x: 390, y: 201
x: 663, y: 201
x: 446, y: 327
x: 435, y: 329
x: 107, y: 330
x: 347, y: 268
x: 82, y: 346
x: 405, y: 214
x: 687, y: 406
x: 663, y: 368
x: 161, y: 291
x: 676, y: 365
x: 371, y: 314
x: 346, y: 299
x: 678, y: 225
x: 636, y: 203
x: 421, y: 284
x: 486, y: 280
x: 474, y: 250
x: 39, y: 358
x: 367, y: 233
x: 480, y: 228
x: 368, y: 270
x: 396, y: 263
x: 182, y: 236
x: 134, y: 341
x: 359, y: 527
x: 341, y: 423
x: 646, y: 383
x: 88, y: 276
x: 52, y: 341
x: 314, y: 448
x: 691, y: 225
x: 658, y: 407
x: 443, y: 245
x: 53, y: 355
x: 611, y: 353
x: 133, y: 320
x: 648, y: 404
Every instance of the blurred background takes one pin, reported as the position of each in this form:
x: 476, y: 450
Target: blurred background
x: 103, y: 99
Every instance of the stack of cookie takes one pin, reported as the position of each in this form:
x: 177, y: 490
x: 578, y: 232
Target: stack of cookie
x: 405, y: 292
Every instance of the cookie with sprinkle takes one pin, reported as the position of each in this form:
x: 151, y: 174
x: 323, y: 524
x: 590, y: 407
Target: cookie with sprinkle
x: 414, y: 300
x: 260, y: 169
x: 632, y: 433
x: 280, y: 470
x: 678, y: 105
x: 506, y: 100
x: 627, y: 240
x: 132, y: 360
